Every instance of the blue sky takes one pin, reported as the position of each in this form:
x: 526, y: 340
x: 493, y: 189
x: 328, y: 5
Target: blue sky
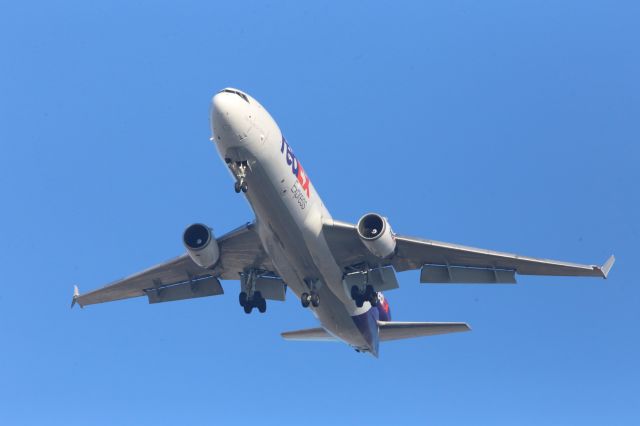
x: 506, y: 125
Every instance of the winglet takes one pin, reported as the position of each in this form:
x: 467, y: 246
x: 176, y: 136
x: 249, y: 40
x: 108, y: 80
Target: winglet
x: 604, y: 269
x: 76, y: 294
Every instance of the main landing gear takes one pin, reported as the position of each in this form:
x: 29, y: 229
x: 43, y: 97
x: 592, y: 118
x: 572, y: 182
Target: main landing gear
x: 249, y: 297
x: 255, y: 301
x: 368, y: 295
x: 239, y: 170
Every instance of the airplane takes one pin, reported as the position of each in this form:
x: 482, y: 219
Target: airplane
x: 338, y: 270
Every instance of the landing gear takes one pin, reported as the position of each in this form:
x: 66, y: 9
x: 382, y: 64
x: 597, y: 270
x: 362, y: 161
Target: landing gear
x: 240, y: 186
x: 368, y: 295
x: 249, y: 298
x: 312, y: 299
x: 239, y: 170
x: 255, y: 301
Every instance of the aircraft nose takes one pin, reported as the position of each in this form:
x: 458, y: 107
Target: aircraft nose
x: 229, y: 116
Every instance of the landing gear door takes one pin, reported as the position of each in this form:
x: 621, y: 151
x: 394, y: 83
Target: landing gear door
x: 381, y: 279
x: 271, y: 288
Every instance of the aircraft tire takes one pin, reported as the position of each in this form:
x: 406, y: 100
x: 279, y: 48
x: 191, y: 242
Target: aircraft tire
x: 355, y: 292
x: 315, y: 300
x: 304, y: 299
x: 374, y: 300
x: 242, y: 298
x: 368, y: 292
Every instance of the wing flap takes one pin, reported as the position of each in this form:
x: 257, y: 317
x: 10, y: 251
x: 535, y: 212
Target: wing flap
x: 395, y: 330
x: 445, y: 274
x: 209, y: 286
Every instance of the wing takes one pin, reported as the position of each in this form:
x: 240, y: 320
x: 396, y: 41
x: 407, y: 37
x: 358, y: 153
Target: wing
x: 181, y: 278
x: 447, y: 262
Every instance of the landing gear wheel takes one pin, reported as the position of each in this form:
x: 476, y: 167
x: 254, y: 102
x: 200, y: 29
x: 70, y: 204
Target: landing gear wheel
x: 374, y: 299
x: 368, y: 292
x: 242, y: 298
x: 237, y: 187
x: 315, y: 299
x: 304, y: 299
x: 248, y: 308
x: 355, y: 292
x: 359, y: 301
x: 262, y: 306
x: 244, y: 187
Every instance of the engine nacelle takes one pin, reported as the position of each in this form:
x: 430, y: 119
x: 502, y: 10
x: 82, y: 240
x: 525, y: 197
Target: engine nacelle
x: 201, y: 245
x: 376, y: 234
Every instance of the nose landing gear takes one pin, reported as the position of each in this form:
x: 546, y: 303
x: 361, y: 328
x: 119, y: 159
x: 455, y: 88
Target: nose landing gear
x: 240, y: 186
x: 239, y: 170
x: 310, y: 298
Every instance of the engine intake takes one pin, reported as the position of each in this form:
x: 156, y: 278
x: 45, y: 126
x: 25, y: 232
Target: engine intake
x: 376, y: 234
x: 201, y: 245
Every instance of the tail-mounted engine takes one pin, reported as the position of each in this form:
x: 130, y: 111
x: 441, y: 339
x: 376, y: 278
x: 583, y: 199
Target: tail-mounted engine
x: 376, y: 234
x: 201, y: 245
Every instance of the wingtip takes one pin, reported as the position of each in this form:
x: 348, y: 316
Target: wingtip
x: 76, y: 294
x: 606, y: 267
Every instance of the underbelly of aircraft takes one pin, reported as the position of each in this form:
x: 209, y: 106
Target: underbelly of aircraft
x: 284, y: 241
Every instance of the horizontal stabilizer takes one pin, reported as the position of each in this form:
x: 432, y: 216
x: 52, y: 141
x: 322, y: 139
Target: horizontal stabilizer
x: 310, y: 334
x: 394, y: 330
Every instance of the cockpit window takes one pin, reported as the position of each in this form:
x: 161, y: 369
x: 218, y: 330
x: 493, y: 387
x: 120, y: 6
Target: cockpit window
x: 242, y: 95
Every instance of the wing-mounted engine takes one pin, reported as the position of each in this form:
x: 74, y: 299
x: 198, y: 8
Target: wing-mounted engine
x: 201, y: 245
x: 376, y: 234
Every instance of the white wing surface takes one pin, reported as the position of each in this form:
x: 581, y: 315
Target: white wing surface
x: 450, y: 263
x: 181, y: 278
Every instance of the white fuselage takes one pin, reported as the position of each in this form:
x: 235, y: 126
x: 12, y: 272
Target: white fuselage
x: 289, y: 212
